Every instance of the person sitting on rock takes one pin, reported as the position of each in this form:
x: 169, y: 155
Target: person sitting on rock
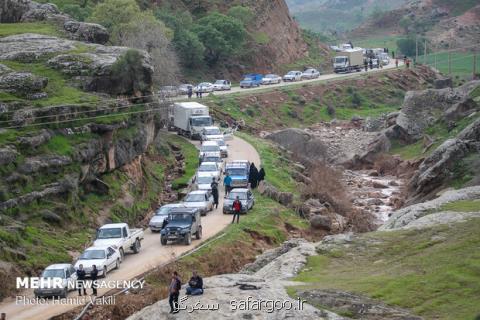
x: 195, y: 285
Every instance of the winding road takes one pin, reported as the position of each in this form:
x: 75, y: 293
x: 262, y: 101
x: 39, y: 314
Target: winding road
x: 151, y: 255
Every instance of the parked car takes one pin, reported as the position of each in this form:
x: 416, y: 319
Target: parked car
x: 310, y: 73
x: 200, y: 199
x: 208, y: 146
x: 221, y: 85
x: 223, y: 148
x: 293, y: 76
x: 251, y: 80
x: 246, y: 198
x: 210, y: 168
x: 202, y: 182
x: 182, y: 224
x: 204, y: 87
x: 168, y: 92
x: 104, y: 258
x: 213, y: 157
x: 183, y: 88
x: 211, y: 133
x: 119, y: 236
x: 271, y: 79
x: 156, y: 221
x: 64, y: 271
x: 239, y: 171
x: 384, y: 58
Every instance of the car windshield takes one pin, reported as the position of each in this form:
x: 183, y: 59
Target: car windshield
x: 168, y: 88
x: 93, y: 254
x: 236, y: 171
x: 109, y: 233
x: 163, y: 211
x: 233, y: 195
x: 204, y: 180
x: 195, y: 197
x: 221, y: 143
x: 185, y: 86
x: 53, y: 273
x: 207, y: 167
x: 180, y: 217
x: 215, y: 131
x: 270, y: 76
x: 291, y: 73
x: 212, y: 159
x: 210, y: 149
x: 201, y: 121
x: 247, y: 79
x: 204, y: 84
x: 219, y: 82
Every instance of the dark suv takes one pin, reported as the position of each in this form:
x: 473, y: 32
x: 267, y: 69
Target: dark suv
x: 182, y: 224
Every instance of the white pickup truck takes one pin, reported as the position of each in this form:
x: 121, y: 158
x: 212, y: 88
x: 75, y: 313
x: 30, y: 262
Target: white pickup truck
x: 120, y: 236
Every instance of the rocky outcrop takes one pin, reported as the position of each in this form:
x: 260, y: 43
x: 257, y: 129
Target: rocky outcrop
x: 284, y: 198
x: 12, y: 11
x: 52, y: 163
x: 406, y: 216
x: 22, y: 83
x: 7, y: 155
x: 36, y: 139
x: 423, y: 108
x: 92, y: 70
x: 438, y: 168
x: 265, y: 281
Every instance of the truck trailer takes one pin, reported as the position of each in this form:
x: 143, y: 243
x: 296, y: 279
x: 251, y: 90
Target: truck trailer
x: 189, y: 119
x: 348, y: 60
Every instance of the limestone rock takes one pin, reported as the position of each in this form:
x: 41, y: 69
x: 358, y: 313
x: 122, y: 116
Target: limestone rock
x: 37, y: 139
x: 51, y: 162
x: 22, y: 83
x: 8, y: 154
x: 89, y: 32
x: 320, y: 222
x: 443, y: 83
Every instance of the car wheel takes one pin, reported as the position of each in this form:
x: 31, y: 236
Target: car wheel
x: 163, y: 241
x: 117, y: 264
x: 136, y: 246
x: 188, y: 239
x: 122, y: 254
x: 198, y: 234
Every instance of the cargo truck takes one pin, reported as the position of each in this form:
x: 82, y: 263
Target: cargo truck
x: 189, y: 119
x: 348, y: 60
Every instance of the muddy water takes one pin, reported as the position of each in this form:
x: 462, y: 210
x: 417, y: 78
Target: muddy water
x: 375, y: 194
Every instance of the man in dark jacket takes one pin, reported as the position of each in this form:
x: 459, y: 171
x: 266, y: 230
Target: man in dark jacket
x: 94, y: 276
x: 174, y: 291
x: 195, y: 285
x: 237, y: 208
x: 214, y: 186
x: 261, y: 174
x: 81, y: 275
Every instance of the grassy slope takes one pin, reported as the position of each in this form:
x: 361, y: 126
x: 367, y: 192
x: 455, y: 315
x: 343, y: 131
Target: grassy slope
x: 433, y: 272
x: 190, y: 153
x: 8, y: 29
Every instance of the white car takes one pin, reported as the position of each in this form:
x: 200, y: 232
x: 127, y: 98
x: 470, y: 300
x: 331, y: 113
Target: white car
x: 203, y: 182
x: 200, y: 199
x: 271, y: 79
x: 64, y: 271
x: 221, y: 85
x: 211, y: 133
x: 213, y: 157
x: 204, y: 87
x: 208, y: 146
x: 168, y: 92
x: 104, y: 258
x: 293, y: 76
x: 223, y: 148
x: 156, y: 221
x: 210, y: 168
x: 183, y: 88
x: 310, y: 74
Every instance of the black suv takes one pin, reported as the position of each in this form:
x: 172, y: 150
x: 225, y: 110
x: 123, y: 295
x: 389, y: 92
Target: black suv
x: 182, y: 224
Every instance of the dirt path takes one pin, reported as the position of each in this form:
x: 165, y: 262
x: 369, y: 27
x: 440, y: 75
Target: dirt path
x: 151, y: 254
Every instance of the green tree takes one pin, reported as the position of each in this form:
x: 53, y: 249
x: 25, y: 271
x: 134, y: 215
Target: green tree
x: 221, y: 35
x: 129, y: 74
x: 241, y: 13
x: 189, y: 48
x: 113, y: 14
x: 407, y: 46
x: 78, y: 12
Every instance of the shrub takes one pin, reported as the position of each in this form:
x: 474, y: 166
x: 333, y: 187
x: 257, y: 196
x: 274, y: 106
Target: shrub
x: 129, y: 75
x: 331, y: 110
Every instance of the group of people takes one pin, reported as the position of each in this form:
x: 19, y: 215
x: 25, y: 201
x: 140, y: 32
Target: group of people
x: 198, y: 93
x: 255, y: 176
x: 194, y: 288
x: 81, y: 278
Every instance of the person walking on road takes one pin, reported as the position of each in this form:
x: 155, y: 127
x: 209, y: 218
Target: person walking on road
x: 195, y: 285
x: 190, y: 92
x: 370, y: 63
x: 173, y: 292
x: 197, y: 93
x: 261, y: 174
x: 237, y: 208
x: 227, y: 182
x: 365, y: 64
x: 214, y: 186
x: 94, y: 276
x: 407, y: 63
x: 81, y: 275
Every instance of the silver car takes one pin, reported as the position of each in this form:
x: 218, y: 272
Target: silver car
x: 204, y: 87
x: 271, y: 79
x: 310, y: 74
x: 201, y: 199
x: 245, y: 196
x: 156, y: 221
x: 64, y: 271
x: 293, y: 76
x: 221, y: 85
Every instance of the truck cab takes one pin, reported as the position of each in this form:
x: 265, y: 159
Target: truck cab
x: 120, y: 237
x: 239, y: 171
x: 190, y: 118
x: 183, y: 223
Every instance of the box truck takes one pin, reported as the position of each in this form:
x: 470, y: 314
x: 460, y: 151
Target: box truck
x: 189, y: 119
x: 348, y: 60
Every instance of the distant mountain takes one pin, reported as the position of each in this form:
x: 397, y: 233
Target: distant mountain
x: 338, y: 15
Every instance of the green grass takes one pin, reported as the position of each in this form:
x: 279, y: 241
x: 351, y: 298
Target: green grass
x: 433, y: 272
x: 461, y: 63
x: 190, y: 152
x: 462, y: 206
x: 58, y: 89
x: 261, y: 38
x: 389, y: 42
x: 8, y: 29
x: 277, y: 167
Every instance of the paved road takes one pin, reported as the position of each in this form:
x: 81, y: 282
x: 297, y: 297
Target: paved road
x: 151, y: 254
x: 325, y: 77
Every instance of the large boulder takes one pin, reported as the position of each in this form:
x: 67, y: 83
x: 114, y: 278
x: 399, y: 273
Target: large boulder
x: 89, y: 32
x: 8, y: 154
x: 50, y: 162
x: 22, y: 83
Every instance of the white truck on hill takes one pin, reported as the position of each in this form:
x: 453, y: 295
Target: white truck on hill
x: 190, y: 118
x: 348, y: 60
x: 119, y: 236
